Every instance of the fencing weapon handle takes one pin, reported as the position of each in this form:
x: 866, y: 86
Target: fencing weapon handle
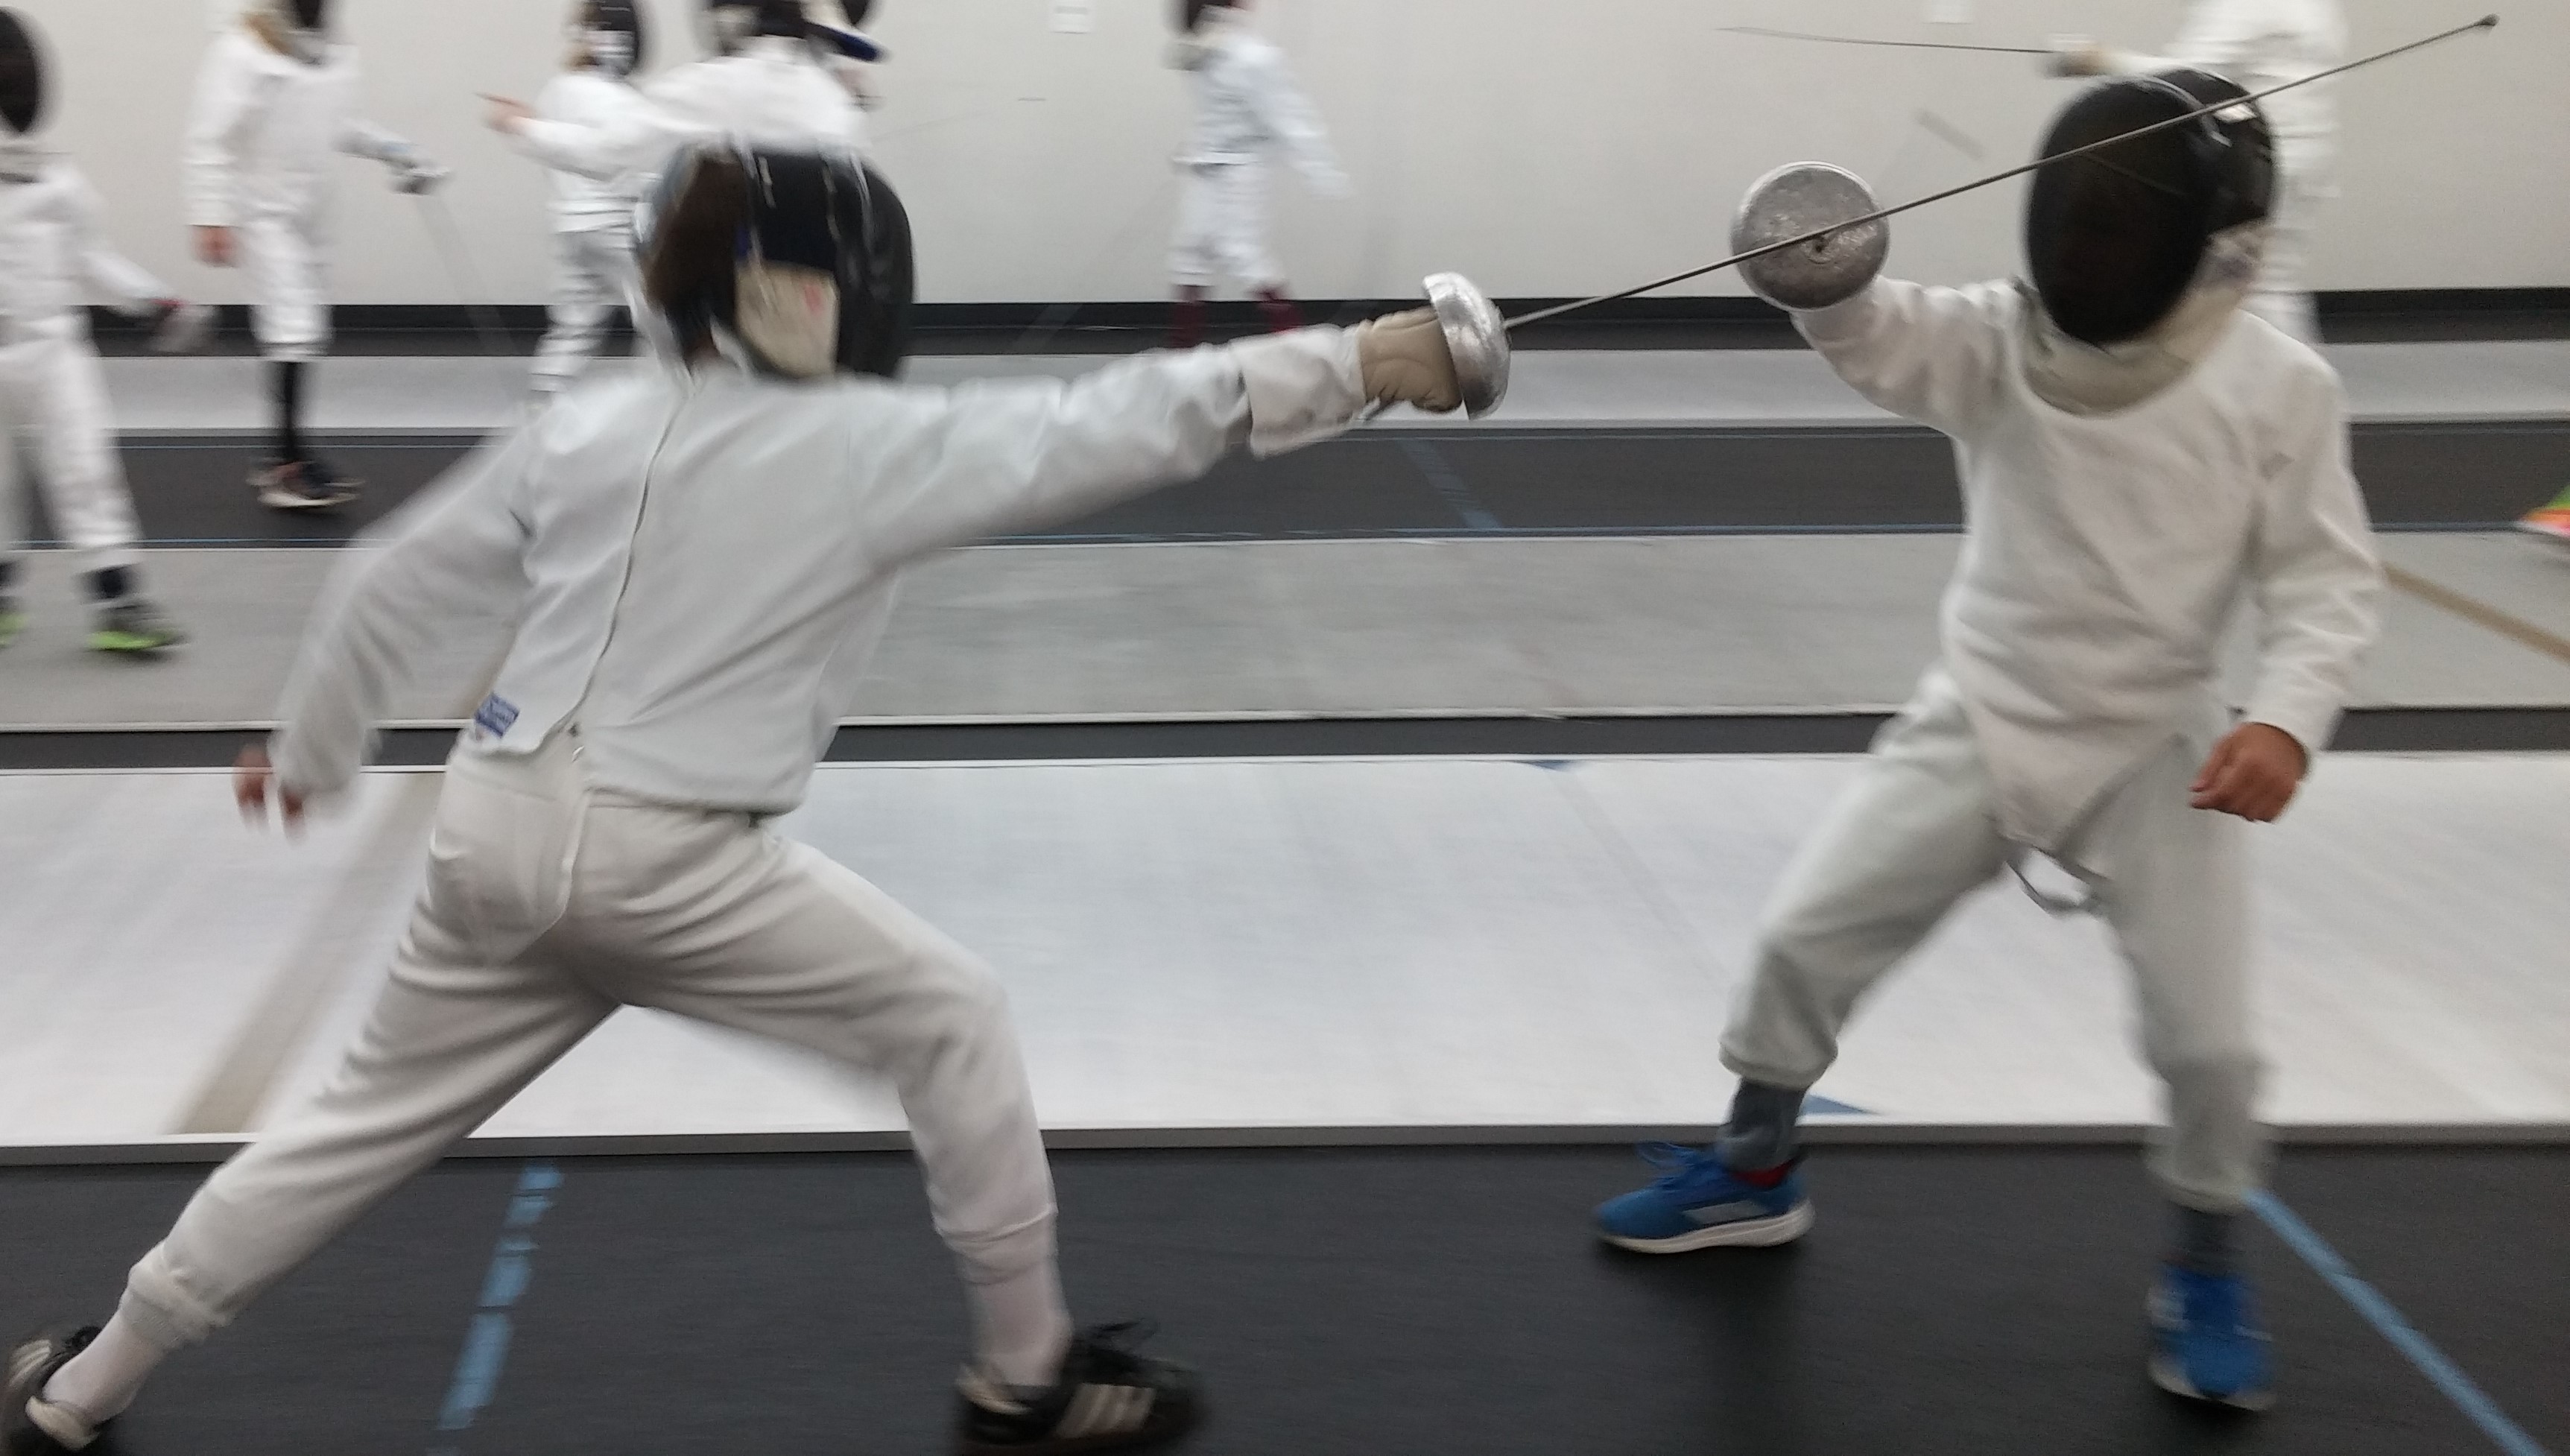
x: 460, y: 272
x: 2486, y: 22
x: 1850, y: 40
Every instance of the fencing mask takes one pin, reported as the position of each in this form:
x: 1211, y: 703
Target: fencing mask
x: 798, y: 260
x: 611, y: 34
x: 856, y: 11
x: 307, y: 28
x: 726, y: 24
x: 2114, y: 238
x: 21, y: 78
x: 1191, y: 13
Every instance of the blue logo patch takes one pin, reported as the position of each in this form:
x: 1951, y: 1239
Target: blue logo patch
x: 496, y: 714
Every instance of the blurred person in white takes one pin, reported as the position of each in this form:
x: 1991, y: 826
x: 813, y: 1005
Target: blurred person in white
x: 704, y: 557
x: 53, y: 396
x: 847, y: 51
x: 762, y: 81
x: 592, y: 219
x: 2140, y: 455
x: 276, y: 96
x: 2259, y: 44
x: 1247, y: 109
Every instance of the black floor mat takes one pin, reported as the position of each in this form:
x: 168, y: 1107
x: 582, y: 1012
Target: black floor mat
x: 1341, y: 1300
x: 1411, y: 484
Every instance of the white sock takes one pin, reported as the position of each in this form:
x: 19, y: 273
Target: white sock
x: 1022, y: 1328
x: 101, y: 1381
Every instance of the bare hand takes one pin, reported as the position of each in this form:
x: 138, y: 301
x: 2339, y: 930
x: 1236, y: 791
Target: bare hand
x: 251, y: 777
x: 506, y: 116
x: 214, y: 247
x: 2253, y: 773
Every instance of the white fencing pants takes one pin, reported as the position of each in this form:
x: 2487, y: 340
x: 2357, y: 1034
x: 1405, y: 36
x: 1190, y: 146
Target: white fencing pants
x: 1918, y: 831
x: 546, y: 906
x: 1222, y: 228
x: 54, y: 410
x: 288, y: 266
x: 594, y: 273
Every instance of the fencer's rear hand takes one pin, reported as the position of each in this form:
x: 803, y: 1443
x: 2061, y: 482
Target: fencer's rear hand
x: 2076, y: 55
x: 214, y: 247
x: 2253, y: 773
x: 251, y: 778
x: 1405, y: 361
x: 506, y: 116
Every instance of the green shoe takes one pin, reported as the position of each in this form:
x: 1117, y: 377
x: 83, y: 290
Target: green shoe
x: 12, y: 620
x: 134, y: 627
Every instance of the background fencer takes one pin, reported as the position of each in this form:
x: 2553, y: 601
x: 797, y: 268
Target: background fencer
x: 763, y: 81
x: 53, y: 397
x: 592, y: 218
x: 276, y: 96
x: 704, y: 557
x: 850, y: 54
x: 2259, y: 44
x: 2139, y: 455
x: 1246, y: 109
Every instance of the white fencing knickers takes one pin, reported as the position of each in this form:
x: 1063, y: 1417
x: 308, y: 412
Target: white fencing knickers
x: 53, y: 412
x: 1222, y: 228
x: 1920, y: 831
x: 549, y: 904
x: 594, y: 275
x: 289, y: 285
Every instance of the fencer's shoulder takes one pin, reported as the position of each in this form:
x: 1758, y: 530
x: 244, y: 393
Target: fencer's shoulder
x: 2262, y: 361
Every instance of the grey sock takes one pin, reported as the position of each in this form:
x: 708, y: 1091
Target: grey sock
x: 2205, y: 1243
x: 1761, y: 1132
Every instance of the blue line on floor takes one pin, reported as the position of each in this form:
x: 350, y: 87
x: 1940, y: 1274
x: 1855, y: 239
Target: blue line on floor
x: 2393, y: 1326
x: 1833, y: 1106
x: 486, y: 1340
x: 1449, y: 485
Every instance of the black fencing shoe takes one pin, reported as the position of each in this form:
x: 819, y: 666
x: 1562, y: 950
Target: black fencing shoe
x: 1106, y: 1400
x: 33, y: 1427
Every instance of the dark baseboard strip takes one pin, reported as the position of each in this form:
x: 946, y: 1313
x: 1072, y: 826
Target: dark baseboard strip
x: 1836, y: 1131
x: 1121, y: 325
x: 2377, y: 730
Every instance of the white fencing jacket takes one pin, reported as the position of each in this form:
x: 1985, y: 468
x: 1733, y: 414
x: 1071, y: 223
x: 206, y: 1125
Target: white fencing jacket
x: 2262, y: 43
x: 1247, y: 103
x: 2104, y: 555
x: 55, y: 258
x: 772, y: 91
x: 592, y: 97
x: 700, y: 563
x: 264, y: 126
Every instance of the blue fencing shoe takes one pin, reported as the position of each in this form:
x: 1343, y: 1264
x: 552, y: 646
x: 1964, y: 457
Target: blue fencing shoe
x: 1696, y: 1202
x: 2205, y: 1341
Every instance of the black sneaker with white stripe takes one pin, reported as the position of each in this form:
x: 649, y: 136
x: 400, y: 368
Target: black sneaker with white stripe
x: 1108, y: 1399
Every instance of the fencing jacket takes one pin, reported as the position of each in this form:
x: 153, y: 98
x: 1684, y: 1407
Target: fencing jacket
x: 264, y: 126
x: 2104, y: 555
x: 702, y: 562
x: 1247, y: 103
x: 55, y: 257
x: 590, y: 98
x: 771, y: 91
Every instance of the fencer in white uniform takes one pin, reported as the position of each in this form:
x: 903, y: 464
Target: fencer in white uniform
x: 765, y: 83
x: 278, y: 95
x: 702, y: 558
x: 2140, y: 457
x: 1247, y: 109
x: 54, y: 257
x: 2259, y: 44
x: 592, y: 218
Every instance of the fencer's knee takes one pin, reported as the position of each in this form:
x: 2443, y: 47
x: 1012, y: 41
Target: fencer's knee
x: 166, y: 1306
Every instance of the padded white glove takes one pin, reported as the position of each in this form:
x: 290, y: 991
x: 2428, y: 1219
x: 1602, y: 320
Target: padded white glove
x: 1403, y: 359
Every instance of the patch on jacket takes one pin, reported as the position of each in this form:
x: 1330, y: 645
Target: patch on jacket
x: 496, y: 714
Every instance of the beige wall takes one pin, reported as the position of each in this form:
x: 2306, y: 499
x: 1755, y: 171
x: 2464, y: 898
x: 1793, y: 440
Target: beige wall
x: 1545, y: 147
